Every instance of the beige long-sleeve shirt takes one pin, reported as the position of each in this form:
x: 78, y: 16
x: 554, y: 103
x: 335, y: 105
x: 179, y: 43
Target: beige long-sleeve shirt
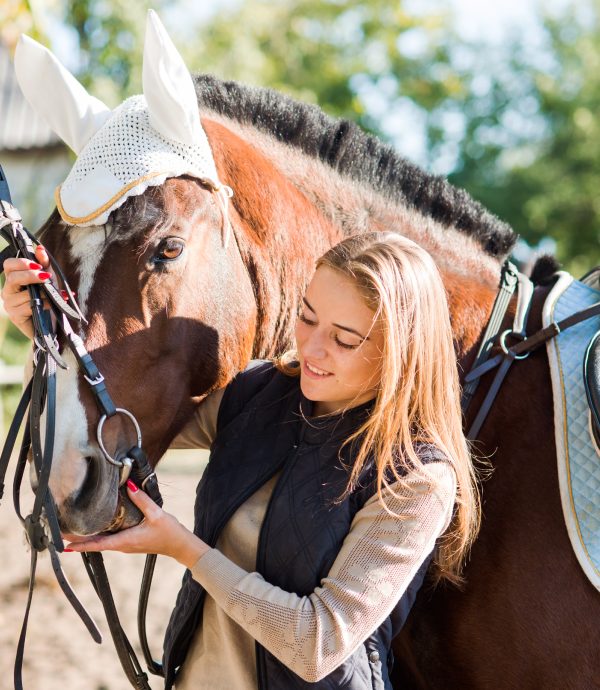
x: 311, y: 635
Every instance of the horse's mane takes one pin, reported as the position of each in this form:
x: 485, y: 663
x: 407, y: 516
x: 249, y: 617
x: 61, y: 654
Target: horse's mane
x: 345, y: 148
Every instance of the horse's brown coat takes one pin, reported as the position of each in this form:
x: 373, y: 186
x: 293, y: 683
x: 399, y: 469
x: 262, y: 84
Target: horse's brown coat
x: 527, y: 618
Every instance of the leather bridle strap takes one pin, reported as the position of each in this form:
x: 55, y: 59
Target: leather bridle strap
x: 40, y: 396
x: 89, y: 369
x: 94, y: 564
x: 520, y: 350
x: 145, y: 477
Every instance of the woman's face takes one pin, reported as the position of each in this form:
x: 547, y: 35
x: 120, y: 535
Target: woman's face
x: 339, y: 344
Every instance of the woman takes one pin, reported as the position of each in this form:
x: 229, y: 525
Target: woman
x: 334, y: 475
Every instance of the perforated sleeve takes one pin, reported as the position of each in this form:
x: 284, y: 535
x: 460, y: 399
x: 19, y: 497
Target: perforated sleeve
x: 313, y: 634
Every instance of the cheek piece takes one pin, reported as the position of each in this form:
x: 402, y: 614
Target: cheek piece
x: 41, y: 525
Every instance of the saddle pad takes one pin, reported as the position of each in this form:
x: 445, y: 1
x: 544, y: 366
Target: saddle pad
x: 577, y: 456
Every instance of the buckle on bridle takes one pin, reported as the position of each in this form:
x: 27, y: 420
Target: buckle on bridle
x: 506, y: 349
x: 36, y: 533
x: 95, y: 382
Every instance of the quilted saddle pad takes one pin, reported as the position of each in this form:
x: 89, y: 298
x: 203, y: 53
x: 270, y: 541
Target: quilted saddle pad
x: 577, y: 455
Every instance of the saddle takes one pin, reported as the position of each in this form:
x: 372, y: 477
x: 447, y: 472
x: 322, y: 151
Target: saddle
x: 571, y: 333
x: 574, y: 360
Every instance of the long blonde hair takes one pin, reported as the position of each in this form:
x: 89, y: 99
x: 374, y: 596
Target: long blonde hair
x: 418, y: 399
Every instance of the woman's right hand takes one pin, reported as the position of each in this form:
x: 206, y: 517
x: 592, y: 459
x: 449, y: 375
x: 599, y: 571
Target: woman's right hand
x: 18, y: 274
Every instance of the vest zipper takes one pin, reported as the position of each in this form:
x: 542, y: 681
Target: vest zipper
x: 261, y: 672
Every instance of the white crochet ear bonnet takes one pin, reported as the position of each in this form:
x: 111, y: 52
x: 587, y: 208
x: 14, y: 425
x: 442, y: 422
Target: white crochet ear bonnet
x: 120, y: 153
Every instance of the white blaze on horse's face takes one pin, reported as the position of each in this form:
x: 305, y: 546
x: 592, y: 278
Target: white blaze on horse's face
x: 73, y: 451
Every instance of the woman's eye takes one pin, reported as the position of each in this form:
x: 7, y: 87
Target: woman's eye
x: 347, y: 346
x: 306, y: 320
x: 169, y: 250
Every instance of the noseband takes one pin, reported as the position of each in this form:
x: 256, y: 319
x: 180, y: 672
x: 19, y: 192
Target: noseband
x: 41, y: 525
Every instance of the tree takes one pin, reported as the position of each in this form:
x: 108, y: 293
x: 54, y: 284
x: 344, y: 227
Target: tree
x: 111, y: 40
x: 545, y: 178
x: 17, y: 17
x: 336, y: 53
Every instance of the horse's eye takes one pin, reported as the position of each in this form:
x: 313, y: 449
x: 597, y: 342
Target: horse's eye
x: 169, y: 250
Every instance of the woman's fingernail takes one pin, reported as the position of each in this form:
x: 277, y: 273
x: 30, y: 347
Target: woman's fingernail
x: 42, y: 275
x: 64, y: 294
x: 34, y: 266
x: 68, y: 551
x: 131, y: 486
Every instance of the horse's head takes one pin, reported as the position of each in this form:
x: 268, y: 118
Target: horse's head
x: 171, y: 315
x: 144, y: 237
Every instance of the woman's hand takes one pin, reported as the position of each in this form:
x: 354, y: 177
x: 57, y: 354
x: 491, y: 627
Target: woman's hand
x: 159, y: 533
x: 19, y: 273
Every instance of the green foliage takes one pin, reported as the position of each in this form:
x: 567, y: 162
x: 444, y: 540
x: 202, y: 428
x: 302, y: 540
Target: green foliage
x: 329, y: 52
x: 545, y: 183
x: 111, y: 41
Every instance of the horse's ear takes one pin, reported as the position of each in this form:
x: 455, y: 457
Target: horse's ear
x: 55, y: 94
x: 168, y: 87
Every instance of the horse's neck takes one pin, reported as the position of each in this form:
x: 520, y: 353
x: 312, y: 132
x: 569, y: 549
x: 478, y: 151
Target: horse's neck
x: 288, y: 209
x: 470, y: 301
x: 353, y: 206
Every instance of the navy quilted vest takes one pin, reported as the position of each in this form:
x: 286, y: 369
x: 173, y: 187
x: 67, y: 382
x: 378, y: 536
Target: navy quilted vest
x: 261, y: 430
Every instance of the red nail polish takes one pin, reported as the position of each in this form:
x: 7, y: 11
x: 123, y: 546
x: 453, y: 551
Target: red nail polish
x: 43, y: 275
x: 68, y: 551
x: 34, y: 266
x: 131, y: 486
x: 64, y: 294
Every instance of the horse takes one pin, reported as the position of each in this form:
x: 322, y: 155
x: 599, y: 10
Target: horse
x: 174, y: 312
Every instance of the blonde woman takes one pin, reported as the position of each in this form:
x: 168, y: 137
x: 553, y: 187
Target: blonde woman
x: 336, y: 475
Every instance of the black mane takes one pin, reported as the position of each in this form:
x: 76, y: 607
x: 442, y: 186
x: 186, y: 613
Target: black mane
x: 343, y: 146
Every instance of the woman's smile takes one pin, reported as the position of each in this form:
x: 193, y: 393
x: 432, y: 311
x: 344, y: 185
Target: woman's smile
x: 314, y: 372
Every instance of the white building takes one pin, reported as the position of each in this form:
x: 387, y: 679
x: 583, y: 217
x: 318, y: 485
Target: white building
x: 34, y: 159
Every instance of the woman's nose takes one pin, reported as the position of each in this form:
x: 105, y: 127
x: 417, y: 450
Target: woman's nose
x: 315, y: 346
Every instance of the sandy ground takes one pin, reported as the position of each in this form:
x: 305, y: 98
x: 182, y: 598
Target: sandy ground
x: 60, y: 654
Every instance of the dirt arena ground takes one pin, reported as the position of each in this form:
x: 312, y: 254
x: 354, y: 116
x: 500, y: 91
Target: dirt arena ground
x: 60, y: 655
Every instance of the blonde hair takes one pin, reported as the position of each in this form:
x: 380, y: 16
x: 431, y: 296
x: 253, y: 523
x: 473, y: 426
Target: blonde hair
x: 418, y: 398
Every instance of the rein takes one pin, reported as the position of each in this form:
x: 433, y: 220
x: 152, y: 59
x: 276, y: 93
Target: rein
x: 510, y: 281
x: 42, y: 525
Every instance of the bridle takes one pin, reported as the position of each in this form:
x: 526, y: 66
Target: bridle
x: 41, y: 525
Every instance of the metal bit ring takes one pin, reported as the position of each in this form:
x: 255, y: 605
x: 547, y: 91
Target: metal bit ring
x: 118, y: 463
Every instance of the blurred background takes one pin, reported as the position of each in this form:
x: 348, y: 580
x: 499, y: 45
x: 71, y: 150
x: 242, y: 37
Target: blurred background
x: 502, y: 98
